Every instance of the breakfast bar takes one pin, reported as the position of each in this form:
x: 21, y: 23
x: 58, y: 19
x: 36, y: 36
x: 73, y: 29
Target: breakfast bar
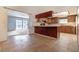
x: 51, y: 31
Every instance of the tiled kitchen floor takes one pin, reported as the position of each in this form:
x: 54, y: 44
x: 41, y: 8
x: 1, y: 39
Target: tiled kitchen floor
x: 36, y: 43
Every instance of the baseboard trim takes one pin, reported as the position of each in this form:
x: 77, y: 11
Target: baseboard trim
x: 44, y: 36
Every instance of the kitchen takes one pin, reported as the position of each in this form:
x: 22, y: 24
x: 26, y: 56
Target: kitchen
x: 51, y: 25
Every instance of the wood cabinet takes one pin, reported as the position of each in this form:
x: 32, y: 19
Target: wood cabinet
x: 71, y: 18
x: 62, y: 29
x: 44, y: 14
x: 68, y: 29
x: 48, y: 31
x: 38, y: 30
x: 52, y: 31
x: 73, y: 30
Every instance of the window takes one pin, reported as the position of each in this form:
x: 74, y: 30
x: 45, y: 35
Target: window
x: 63, y: 20
x: 25, y: 23
x: 21, y: 24
x: 18, y: 24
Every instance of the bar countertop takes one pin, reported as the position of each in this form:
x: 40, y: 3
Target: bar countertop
x: 56, y: 25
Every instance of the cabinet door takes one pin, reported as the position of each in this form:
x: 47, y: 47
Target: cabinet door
x: 62, y: 29
x: 71, y: 18
x: 44, y: 30
x: 52, y: 31
x: 38, y: 30
x: 68, y: 29
x: 41, y: 30
x: 73, y: 30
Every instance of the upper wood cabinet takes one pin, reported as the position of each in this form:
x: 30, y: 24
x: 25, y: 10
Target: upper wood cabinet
x: 71, y: 18
x: 44, y: 15
x: 52, y: 20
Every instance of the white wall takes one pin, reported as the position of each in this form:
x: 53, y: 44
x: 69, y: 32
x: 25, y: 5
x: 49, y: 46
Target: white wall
x: 3, y: 24
x: 31, y: 24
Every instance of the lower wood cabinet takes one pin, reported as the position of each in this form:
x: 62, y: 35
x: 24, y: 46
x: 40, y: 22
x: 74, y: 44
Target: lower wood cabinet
x: 62, y: 29
x: 68, y: 29
x: 48, y: 31
x: 38, y: 30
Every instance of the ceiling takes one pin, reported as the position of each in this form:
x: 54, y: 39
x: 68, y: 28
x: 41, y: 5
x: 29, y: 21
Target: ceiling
x: 17, y: 14
x: 39, y: 9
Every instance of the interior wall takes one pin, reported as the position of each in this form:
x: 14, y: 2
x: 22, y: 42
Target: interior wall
x: 31, y: 23
x: 3, y: 24
x: 78, y: 27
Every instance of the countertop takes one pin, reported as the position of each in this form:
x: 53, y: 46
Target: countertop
x: 56, y: 25
x: 53, y: 25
